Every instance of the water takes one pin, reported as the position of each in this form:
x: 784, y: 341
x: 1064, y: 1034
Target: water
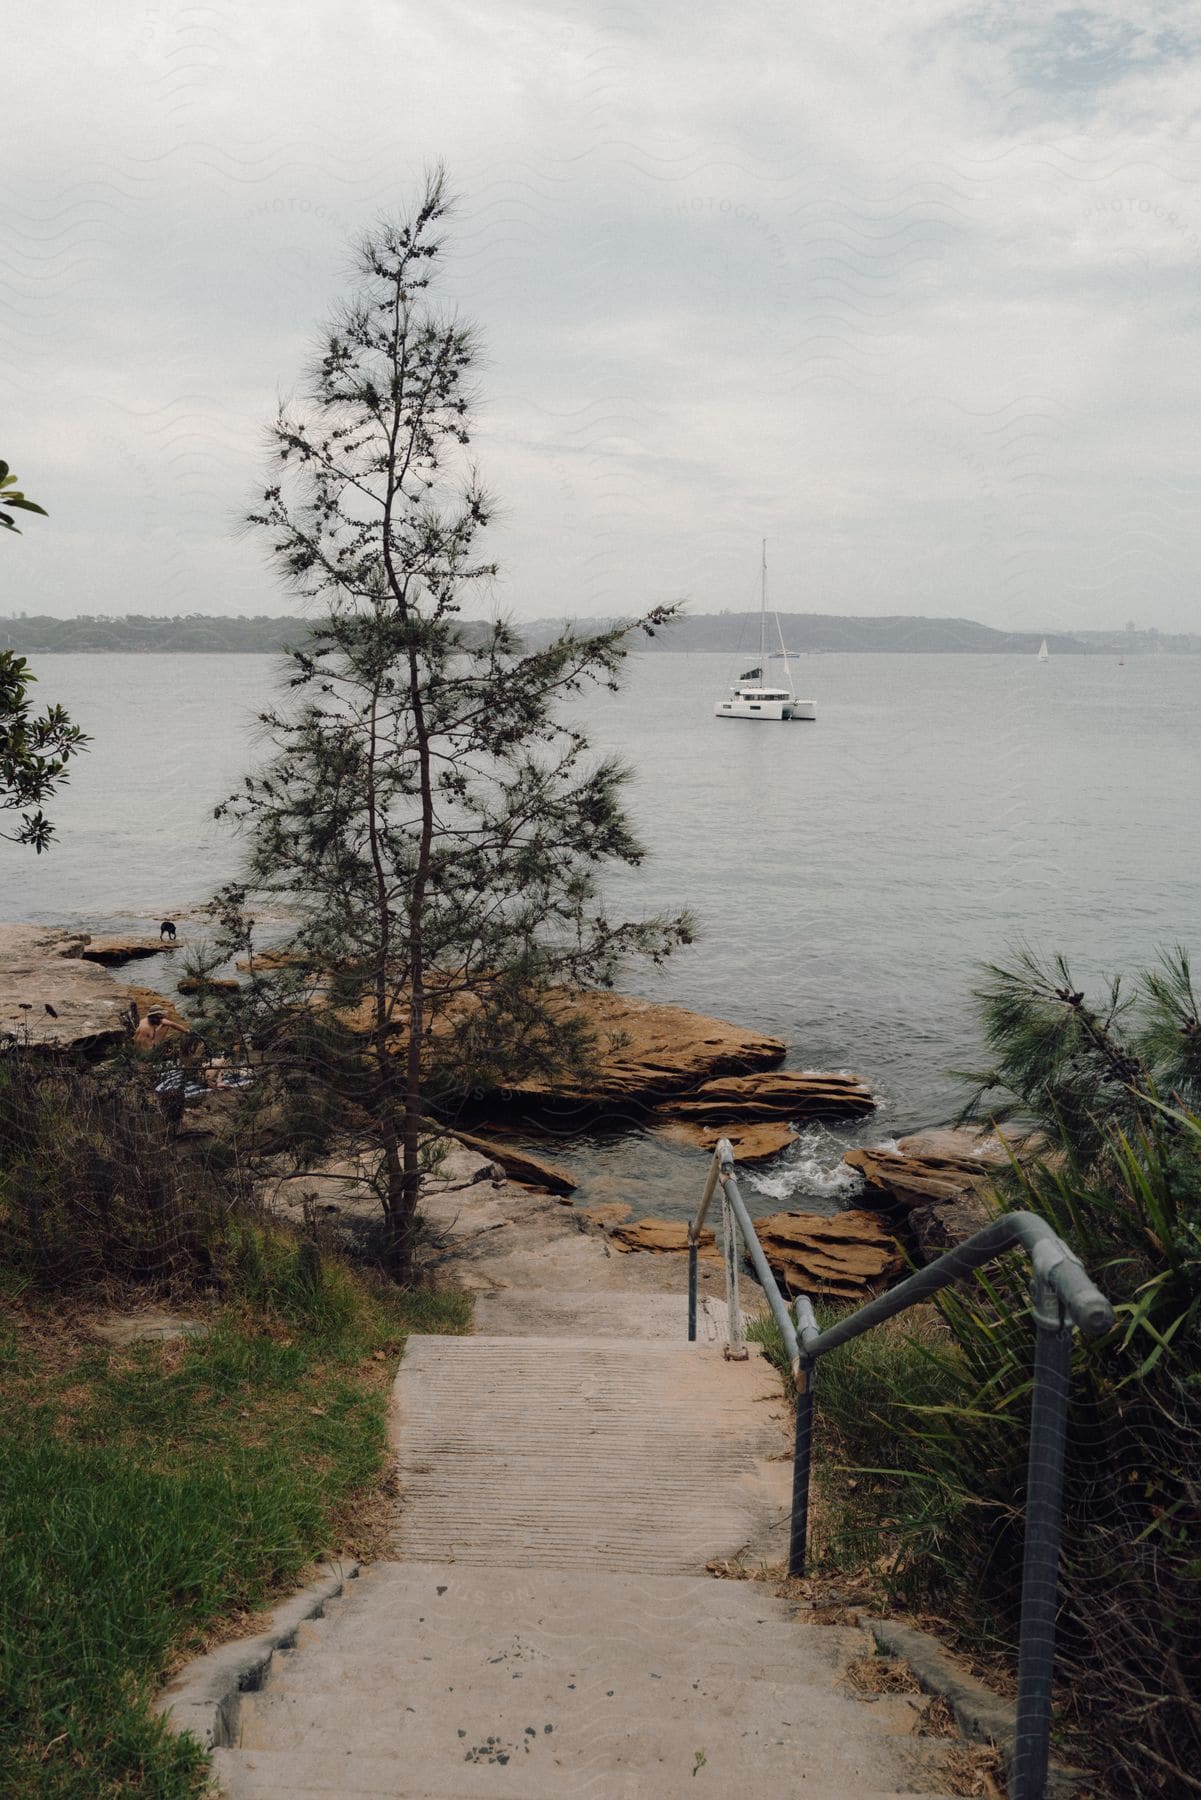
x: 848, y: 876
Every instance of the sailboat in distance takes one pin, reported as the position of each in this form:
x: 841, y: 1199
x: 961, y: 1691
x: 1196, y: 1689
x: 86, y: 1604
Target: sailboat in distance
x: 754, y: 696
x: 1043, y: 652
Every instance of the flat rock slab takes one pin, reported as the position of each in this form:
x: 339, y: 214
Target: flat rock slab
x: 121, y: 949
x: 750, y: 1143
x: 663, y: 1235
x: 146, y: 1327
x: 50, y: 998
x: 580, y: 1452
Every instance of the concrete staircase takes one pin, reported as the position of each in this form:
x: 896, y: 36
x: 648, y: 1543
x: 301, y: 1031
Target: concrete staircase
x: 547, y: 1631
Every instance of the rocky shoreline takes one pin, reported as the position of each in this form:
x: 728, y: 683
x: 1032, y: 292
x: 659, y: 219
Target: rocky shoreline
x: 684, y: 1076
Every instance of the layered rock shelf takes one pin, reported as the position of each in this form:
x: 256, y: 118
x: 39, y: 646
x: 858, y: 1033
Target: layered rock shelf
x: 942, y: 1178
x: 844, y: 1257
x: 782, y: 1094
x: 933, y: 1166
x: 700, y: 1078
x: 648, y: 1052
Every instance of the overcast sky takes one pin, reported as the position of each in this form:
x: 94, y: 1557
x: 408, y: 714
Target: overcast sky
x: 913, y: 290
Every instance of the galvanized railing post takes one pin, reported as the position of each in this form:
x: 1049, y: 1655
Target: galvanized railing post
x: 694, y: 1236
x: 1063, y: 1297
x: 735, y: 1350
x: 1040, y: 1556
x: 804, y: 1375
x: 802, y: 1454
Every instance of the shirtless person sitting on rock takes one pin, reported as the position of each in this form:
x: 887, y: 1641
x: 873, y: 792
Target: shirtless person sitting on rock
x: 155, y: 1030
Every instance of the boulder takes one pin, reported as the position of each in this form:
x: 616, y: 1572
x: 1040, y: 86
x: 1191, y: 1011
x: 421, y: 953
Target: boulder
x: 790, y: 1094
x: 520, y: 1165
x: 847, y: 1256
x: 208, y: 984
x: 750, y: 1143
x: 936, y: 1165
x: 52, y: 1000
x: 942, y: 1224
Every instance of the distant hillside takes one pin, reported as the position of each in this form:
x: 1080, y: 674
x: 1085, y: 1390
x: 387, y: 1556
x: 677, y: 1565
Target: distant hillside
x: 901, y: 634
x: 31, y: 633
x: 732, y: 633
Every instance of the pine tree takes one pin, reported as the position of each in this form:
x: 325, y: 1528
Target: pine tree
x: 430, y: 810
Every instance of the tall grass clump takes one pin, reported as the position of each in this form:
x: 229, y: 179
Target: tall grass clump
x: 95, y: 1182
x: 1113, y: 1089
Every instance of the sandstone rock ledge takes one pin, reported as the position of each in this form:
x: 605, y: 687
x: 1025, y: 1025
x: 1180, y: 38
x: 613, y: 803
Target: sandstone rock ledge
x: 933, y: 1166
x: 846, y: 1257
x: 114, y: 950
x: 649, y: 1052
x: 750, y: 1143
x: 942, y: 1177
x: 52, y: 1000
x: 700, y: 1078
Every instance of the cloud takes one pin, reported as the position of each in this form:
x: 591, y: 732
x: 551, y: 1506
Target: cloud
x: 915, y: 292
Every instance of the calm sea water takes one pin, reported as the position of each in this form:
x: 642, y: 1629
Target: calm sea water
x: 848, y: 876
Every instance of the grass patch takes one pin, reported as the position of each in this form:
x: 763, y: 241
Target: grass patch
x: 149, y: 1494
x: 867, y: 1394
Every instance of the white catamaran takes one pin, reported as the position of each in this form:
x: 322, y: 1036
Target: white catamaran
x: 753, y: 697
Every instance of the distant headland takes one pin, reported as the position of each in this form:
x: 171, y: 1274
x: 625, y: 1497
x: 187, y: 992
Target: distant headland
x: 732, y: 632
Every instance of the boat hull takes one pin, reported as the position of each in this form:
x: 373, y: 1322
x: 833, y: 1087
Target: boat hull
x: 753, y: 709
x: 777, y: 710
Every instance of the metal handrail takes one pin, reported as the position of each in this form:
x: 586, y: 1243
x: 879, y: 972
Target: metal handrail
x: 1062, y: 1298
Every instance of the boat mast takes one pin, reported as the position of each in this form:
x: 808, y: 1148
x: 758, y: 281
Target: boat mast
x: 763, y: 618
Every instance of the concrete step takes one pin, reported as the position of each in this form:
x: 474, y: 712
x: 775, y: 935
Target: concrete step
x: 677, y: 1773
x: 412, y: 1712
x: 404, y: 1614
x: 586, y: 1452
x: 547, y: 1632
x: 603, y: 1313
x: 567, y: 1683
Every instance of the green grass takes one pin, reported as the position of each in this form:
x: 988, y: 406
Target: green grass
x: 147, y: 1494
x: 866, y: 1503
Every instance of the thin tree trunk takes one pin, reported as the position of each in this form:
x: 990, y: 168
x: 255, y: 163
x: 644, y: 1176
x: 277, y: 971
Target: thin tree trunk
x: 414, y: 1107
x: 398, y: 1235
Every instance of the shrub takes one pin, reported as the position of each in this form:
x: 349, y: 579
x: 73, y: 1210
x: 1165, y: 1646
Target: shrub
x: 939, y: 1444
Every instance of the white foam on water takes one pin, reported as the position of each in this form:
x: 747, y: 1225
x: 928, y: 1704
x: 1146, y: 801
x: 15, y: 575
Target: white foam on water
x: 812, y: 1167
